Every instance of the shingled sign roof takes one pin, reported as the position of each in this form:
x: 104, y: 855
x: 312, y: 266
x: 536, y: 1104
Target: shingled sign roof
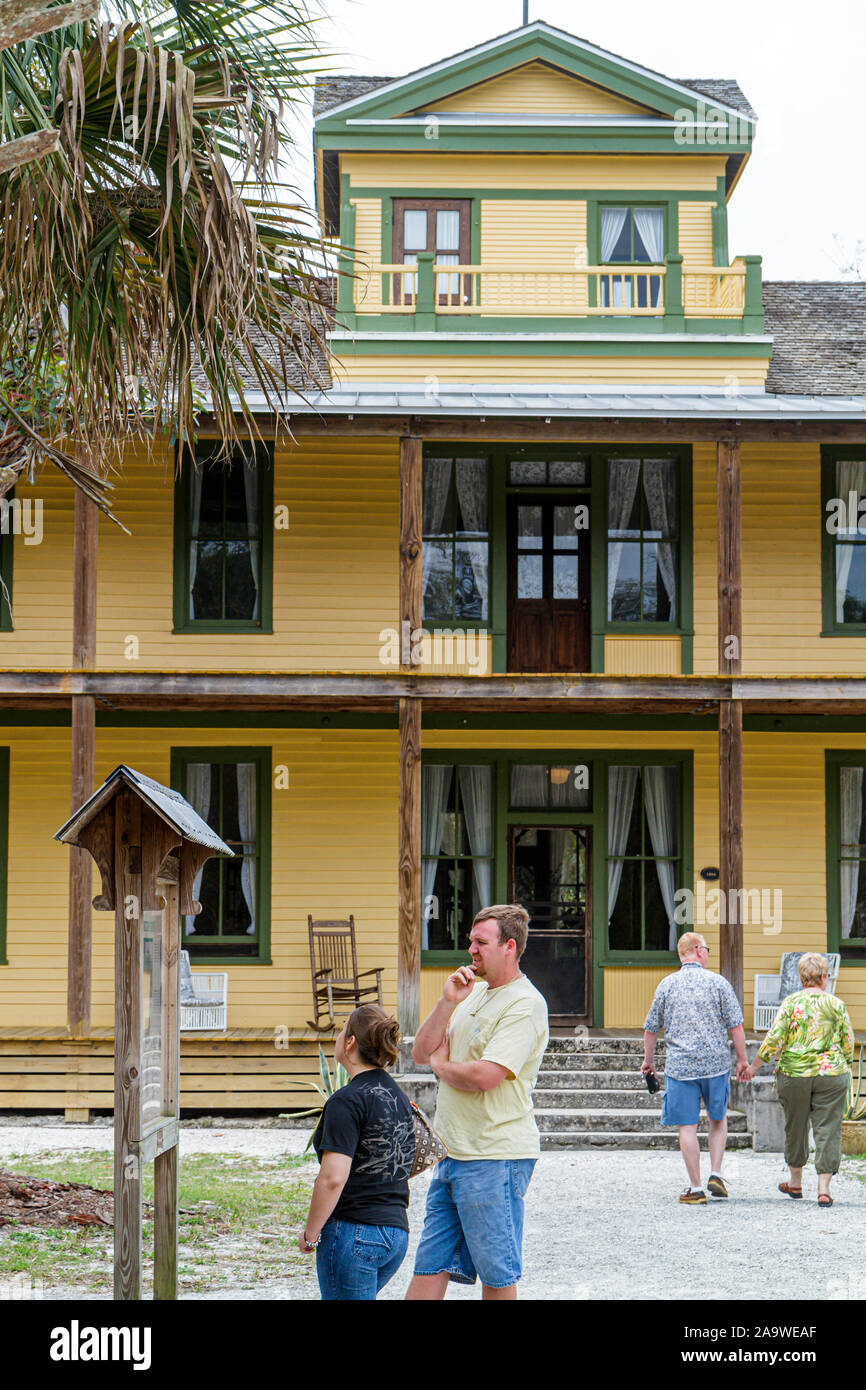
x: 819, y: 337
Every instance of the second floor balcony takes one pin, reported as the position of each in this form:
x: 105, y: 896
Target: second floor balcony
x: 430, y: 292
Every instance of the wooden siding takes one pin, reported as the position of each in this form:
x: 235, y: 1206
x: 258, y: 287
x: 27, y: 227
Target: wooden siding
x: 432, y: 981
x: 684, y: 173
x: 782, y: 518
x: 335, y: 571
x: 544, y: 236
x: 601, y: 370
x: 696, y: 234
x: 537, y: 87
x: 333, y: 851
x: 368, y: 249
x: 642, y: 656
x: 628, y: 994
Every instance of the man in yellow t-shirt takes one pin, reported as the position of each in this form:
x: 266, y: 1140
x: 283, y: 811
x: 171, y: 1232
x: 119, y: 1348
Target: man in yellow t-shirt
x: 484, y: 1040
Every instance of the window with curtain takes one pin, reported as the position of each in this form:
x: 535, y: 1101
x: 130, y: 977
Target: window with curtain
x: 456, y: 851
x: 632, y: 236
x: 550, y: 786
x: 642, y: 540
x: 225, y: 526
x: 643, y: 856
x: 437, y: 225
x: 845, y: 543
x: 231, y: 796
x: 847, y: 835
x: 456, y: 541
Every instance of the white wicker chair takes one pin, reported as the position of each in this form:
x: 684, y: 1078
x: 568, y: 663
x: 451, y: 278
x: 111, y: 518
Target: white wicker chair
x: 770, y: 990
x: 203, y: 998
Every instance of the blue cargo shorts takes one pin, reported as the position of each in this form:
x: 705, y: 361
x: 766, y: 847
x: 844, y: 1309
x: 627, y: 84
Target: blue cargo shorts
x: 473, y: 1224
x: 682, y: 1099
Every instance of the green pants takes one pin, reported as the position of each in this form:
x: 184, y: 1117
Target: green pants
x: 821, y: 1101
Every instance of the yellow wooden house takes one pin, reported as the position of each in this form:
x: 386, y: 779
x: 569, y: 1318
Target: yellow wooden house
x: 553, y: 589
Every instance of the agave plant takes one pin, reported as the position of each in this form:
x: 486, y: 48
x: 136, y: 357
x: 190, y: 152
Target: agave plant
x: 156, y: 252
x: 331, y: 1081
x: 856, y: 1106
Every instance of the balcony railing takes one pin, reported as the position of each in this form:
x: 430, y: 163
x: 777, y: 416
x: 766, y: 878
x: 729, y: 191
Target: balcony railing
x: 431, y: 291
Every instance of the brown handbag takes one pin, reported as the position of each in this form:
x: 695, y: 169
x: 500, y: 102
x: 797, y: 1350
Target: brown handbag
x: 429, y: 1148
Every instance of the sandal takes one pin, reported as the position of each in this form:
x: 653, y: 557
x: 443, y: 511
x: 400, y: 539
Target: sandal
x: 824, y: 1199
x: 794, y: 1192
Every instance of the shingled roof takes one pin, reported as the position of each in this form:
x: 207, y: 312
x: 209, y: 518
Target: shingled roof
x: 819, y: 332
x: 333, y: 91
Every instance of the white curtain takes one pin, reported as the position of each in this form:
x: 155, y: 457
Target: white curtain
x: 528, y: 786
x: 618, y: 288
x: 851, y: 800
x: 472, y: 497
x: 436, y: 481
x: 435, y: 789
x: 621, y: 787
x: 661, y: 801
x: 251, y: 493
x: 622, y: 480
x: 194, y: 518
x: 247, y: 827
x: 850, y: 477
x: 198, y: 790
x: 563, y: 867
x: 448, y: 250
x: 477, y: 802
x: 660, y: 492
x: 650, y: 227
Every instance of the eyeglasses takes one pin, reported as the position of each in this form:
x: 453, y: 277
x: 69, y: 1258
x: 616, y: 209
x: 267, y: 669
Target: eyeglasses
x: 704, y: 948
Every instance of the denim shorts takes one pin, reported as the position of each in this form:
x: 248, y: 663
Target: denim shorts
x: 473, y: 1225
x: 355, y: 1261
x: 682, y: 1099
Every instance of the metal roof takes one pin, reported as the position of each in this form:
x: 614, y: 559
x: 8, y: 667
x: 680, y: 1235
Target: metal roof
x: 561, y: 401
x: 165, y: 801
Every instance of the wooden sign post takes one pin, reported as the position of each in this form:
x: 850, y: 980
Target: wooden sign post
x: 149, y: 845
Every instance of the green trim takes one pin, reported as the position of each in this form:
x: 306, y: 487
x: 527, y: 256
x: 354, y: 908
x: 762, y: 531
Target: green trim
x: 503, y: 816
x: 263, y: 758
x: 532, y: 195
x: 833, y: 815
x: 804, y: 723
x: 473, y: 347
x: 831, y: 454
x: 649, y: 90
x: 346, y: 257
x: 264, y: 454
x: 4, y: 849
x: 720, y: 223
x: 492, y: 139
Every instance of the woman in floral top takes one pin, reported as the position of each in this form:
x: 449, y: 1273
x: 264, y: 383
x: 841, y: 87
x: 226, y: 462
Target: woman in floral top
x: 814, y: 1041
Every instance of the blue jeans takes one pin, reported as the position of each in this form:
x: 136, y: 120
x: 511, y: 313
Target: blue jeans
x: 354, y: 1262
x: 473, y: 1225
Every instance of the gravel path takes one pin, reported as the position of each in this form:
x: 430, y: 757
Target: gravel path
x: 606, y: 1225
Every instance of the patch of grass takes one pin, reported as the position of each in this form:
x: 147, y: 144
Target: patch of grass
x: 240, y: 1224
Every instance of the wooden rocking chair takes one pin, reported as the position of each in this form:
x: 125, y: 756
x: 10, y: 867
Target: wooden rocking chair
x: 334, y: 965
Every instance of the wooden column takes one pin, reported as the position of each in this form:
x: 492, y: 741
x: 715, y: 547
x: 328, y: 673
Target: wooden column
x: 409, y: 870
x: 730, y: 713
x: 165, y: 1174
x: 409, y: 900
x: 127, y: 1046
x: 86, y: 523
x: 411, y: 556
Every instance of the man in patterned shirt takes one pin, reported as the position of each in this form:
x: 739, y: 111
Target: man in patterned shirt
x: 697, y: 1009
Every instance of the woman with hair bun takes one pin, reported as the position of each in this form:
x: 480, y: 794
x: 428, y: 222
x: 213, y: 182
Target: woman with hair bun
x: 365, y: 1143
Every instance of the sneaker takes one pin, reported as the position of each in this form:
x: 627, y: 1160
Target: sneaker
x: 693, y: 1199
x: 716, y: 1186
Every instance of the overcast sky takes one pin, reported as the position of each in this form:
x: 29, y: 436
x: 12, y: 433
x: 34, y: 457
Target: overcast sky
x: 802, y: 66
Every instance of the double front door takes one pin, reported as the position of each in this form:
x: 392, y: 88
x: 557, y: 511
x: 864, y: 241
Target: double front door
x: 550, y: 874
x: 548, y: 584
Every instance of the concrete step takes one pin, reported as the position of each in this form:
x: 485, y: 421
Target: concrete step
x: 621, y: 1121
x: 595, y: 1061
x: 581, y: 1043
x: 583, y: 1099
x: 593, y: 1081
x: 610, y: 1139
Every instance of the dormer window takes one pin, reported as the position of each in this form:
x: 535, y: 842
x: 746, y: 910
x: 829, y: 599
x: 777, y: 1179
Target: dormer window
x: 431, y: 224
x: 632, y: 236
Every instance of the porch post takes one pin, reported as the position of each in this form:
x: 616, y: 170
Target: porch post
x: 86, y: 528
x: 409, y: 870
x: 730, y: 713
x: 409, y: 893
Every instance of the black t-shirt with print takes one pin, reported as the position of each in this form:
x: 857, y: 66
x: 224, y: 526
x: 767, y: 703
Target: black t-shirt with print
x: 370, y: 1120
